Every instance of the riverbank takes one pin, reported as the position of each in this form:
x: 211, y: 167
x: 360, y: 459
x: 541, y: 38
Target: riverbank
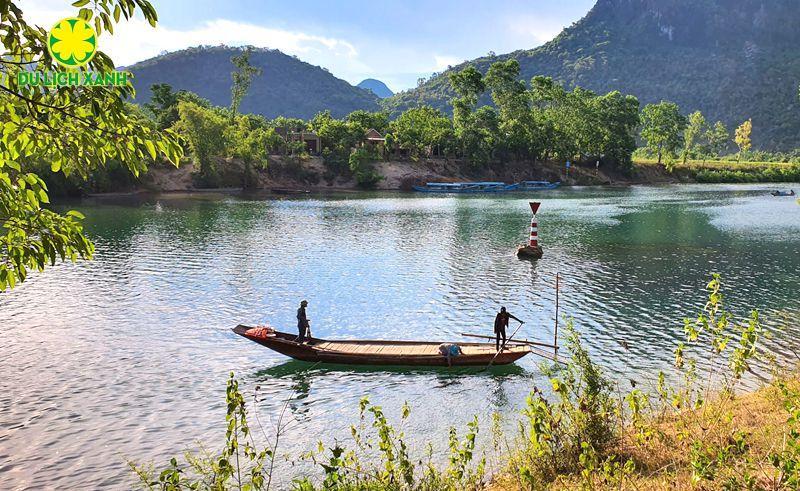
x: 311, y: 174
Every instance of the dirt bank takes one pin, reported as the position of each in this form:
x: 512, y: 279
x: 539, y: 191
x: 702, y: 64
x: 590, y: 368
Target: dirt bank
x: 311, y: 173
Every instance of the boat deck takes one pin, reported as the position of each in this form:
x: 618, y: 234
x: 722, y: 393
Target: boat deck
x: 394, y: 348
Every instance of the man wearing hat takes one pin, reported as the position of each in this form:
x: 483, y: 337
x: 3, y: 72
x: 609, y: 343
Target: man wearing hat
x: 302, y: 322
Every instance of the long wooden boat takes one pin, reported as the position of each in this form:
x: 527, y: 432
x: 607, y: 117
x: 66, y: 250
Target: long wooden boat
x: 466, y: 187
x: 397, y: 353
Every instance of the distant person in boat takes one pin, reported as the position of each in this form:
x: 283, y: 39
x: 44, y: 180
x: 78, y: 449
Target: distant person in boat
x: 500, y: 325
x: 302, y: 322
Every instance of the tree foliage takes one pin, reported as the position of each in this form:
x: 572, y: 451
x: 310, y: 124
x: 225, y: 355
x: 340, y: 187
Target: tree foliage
x: 662, y: 128
x: 743, y: 136
x: 75, y: 130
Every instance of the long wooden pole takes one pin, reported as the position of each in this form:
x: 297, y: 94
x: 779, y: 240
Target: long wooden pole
x: 521, y: 341
x: 555, y: 333
x: 503, y: 346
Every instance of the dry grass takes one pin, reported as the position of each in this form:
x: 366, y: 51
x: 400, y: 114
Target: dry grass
x: 664, y: 460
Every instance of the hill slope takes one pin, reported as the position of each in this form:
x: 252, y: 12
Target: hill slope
x: 377, y: 87
x: 731, y: 59
x: 287, y: 86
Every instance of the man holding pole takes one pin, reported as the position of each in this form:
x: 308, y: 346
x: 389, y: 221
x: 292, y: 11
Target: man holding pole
x: 500, y: 325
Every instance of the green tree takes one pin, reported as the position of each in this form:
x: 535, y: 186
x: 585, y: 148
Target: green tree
x: 365, y: 120
x: 242, y: 78
x: 619, y: 115
x: 421, y: 129
x: 163, y: 105
x: 742, y: 138
x: 662, y: 125
x: 249, y: 140
x: 717, y: 138
x: 75, y: 130
x: 204, y: 132
x: 468, y: 84
x: 694, y: 130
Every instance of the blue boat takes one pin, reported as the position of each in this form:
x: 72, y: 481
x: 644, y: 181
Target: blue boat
x: 538, y: 185
x: 466, y: 187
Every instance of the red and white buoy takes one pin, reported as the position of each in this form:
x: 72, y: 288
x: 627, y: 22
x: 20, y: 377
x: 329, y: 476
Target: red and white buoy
x: 532, y: 250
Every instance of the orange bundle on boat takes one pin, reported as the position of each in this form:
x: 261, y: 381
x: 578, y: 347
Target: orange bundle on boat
x: 260, y: 332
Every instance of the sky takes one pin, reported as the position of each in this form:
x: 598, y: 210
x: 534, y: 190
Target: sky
x: 396, y: 41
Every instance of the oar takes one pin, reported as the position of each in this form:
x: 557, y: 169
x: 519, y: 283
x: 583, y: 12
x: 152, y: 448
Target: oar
x: 522, y: 341
x: 503, y: 346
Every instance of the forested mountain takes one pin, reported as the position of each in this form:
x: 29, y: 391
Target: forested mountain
x: 377, y: 87
x: 731, y: 59
x: 286, y: 87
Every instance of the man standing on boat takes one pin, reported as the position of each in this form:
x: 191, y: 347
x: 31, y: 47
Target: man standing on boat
x: 302, y: 322
x: 500, y: 325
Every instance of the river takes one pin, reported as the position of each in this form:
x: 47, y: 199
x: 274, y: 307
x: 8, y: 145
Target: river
x: 126, y: 356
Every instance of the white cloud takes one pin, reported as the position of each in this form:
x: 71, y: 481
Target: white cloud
x: 135, y: 40
x: 533, y: 30
x: 442, y: 62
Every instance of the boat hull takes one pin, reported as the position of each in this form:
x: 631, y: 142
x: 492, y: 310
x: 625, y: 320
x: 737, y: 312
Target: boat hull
x: 381, y: 353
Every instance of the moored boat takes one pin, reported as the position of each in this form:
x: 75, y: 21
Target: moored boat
x: 538, y: 185
x: 289, y: 191
x: 466, y: 187
x: 374, y: 352
x: 783, y: 193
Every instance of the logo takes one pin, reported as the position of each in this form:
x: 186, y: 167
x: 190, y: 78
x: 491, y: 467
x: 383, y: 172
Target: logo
x: 72, y: 42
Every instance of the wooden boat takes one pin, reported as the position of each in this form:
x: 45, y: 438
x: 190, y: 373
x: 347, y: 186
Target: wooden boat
x: 538, y: 185
x: 783, y: 193
x: 466, y: 187
x: 397, y: 353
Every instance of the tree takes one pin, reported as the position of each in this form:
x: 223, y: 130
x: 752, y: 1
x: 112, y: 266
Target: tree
x: 511, y: 97
x: 242, y: 78
x: 163, y: 105
x: 717, y: 138
x: 204, y: 131
x: 742, y: 137
x: 508, y: 92
x: 620, y: 117
x: 662, y: 125
x: 694, y: 129
x: 75, y: 129
x: 422, y: 128
x: 468, y: 85
x: 249, y: 139
x: 365, y: 120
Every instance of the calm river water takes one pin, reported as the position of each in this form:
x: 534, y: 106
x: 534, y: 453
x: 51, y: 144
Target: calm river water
x: 126, y: 357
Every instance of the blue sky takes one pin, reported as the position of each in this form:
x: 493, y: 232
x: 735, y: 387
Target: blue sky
x: 394, y: 41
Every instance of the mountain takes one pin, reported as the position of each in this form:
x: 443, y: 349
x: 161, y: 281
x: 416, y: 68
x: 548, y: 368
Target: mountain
x: 377, y: 87
x: 731, y: 59
x: 286, y: 87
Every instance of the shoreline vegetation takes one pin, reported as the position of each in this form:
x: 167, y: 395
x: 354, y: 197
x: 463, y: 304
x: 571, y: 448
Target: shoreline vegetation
x: 402, y: 175
x: 690, y: 429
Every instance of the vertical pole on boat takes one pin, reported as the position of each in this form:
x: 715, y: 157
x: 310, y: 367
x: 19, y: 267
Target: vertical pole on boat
x: 555, y: 335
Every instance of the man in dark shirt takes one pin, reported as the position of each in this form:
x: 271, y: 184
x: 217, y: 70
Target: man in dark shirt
x: 500, y: 324
x: 302, y: 321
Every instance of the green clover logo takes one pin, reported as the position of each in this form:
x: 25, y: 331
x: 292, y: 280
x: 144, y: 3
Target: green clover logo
x: 72, y: 42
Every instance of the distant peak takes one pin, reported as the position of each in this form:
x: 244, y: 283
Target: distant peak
x: 376, y: 87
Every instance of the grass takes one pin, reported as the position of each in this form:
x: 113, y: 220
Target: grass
x: 750, y: 429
